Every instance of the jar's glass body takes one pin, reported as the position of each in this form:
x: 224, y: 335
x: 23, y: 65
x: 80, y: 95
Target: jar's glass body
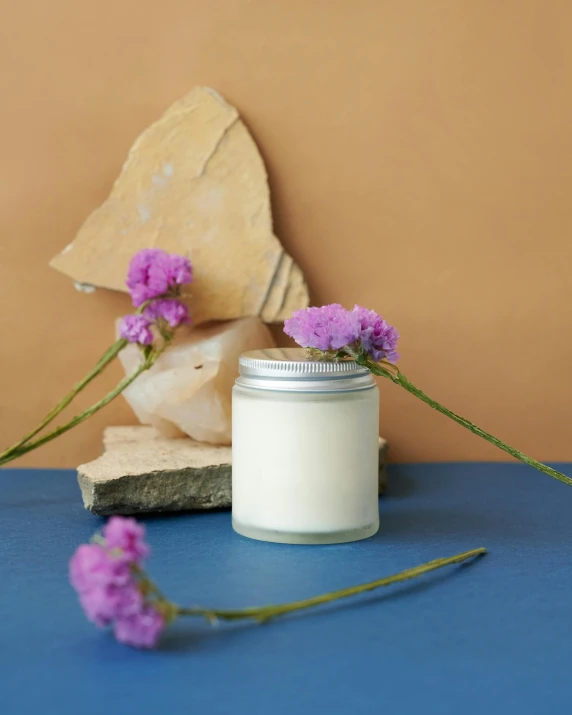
x: 305, y: 465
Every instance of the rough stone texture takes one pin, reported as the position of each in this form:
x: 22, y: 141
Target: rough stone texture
x: 194, y: 183
x: 115, y: 438
x: 142, y: 471
x: 189, y: 389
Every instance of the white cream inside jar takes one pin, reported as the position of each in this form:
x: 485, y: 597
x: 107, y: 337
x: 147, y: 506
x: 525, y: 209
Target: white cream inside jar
x: 305, y: 451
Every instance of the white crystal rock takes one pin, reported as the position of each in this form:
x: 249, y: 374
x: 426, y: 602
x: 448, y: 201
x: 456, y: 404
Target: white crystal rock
x: 189, y: 389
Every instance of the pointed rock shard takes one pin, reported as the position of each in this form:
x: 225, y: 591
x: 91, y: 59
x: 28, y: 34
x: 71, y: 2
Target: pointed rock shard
x: 194, y: 183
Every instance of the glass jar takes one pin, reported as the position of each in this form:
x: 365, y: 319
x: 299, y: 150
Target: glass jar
x: 305, y: 449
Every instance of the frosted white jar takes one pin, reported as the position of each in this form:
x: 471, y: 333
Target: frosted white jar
x: 305, y: 452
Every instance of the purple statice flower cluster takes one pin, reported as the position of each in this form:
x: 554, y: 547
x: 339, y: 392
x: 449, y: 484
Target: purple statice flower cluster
x: 173, y: 312
x: 333, y: 328
x: 330, y: 327
x: 155, y: 277
x: 377, y: 337
x: 154, y: 272
x: 136, y: 329
x: 103, y: 574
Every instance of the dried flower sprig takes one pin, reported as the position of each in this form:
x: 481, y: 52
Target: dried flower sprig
x: 334, y: 333
x: 115, y: 590
x: 155, y: 280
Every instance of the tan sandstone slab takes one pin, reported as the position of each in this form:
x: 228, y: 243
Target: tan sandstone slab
x: 142, y: 471
x: 194, y: 183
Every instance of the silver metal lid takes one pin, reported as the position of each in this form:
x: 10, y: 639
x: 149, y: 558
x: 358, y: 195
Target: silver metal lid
x: 293, y: 369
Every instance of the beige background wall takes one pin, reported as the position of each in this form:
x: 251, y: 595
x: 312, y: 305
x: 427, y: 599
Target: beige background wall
x: 420, y: 158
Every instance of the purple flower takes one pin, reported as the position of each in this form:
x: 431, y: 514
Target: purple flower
x: 172, y: 311
x: 152, y: 272
x: 377, y: 337
x: 136, y: 329
x: 330, y: 327
x: 148, y: 275
x: 104, y: 584
x: 107, y: 582
x: 141, y: 629
x: 103, y: 605
x: 127, y: 535
x: 181, y: 271
x: 92, y: 566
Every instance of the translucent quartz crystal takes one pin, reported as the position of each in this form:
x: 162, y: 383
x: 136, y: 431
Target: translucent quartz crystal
x: 189, y: 389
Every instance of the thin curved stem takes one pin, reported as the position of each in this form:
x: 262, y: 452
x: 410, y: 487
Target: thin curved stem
x: 266, y: 613
x: 401, y: 380
x: 109, y: 355
x: 101, y: 364
x: 78, y: 419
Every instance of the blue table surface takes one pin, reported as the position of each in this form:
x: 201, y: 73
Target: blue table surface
x: 494, y: 636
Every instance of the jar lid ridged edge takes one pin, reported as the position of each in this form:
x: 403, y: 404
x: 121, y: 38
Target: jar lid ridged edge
x: 306, y: 368
x: 294, y: 363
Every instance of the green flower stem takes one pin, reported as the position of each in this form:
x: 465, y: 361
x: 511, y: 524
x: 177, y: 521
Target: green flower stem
x: 399, y: 379
x: 266, y: 613
x: 109, y: 355
x: 149, y: 361
x: 102, y: 363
